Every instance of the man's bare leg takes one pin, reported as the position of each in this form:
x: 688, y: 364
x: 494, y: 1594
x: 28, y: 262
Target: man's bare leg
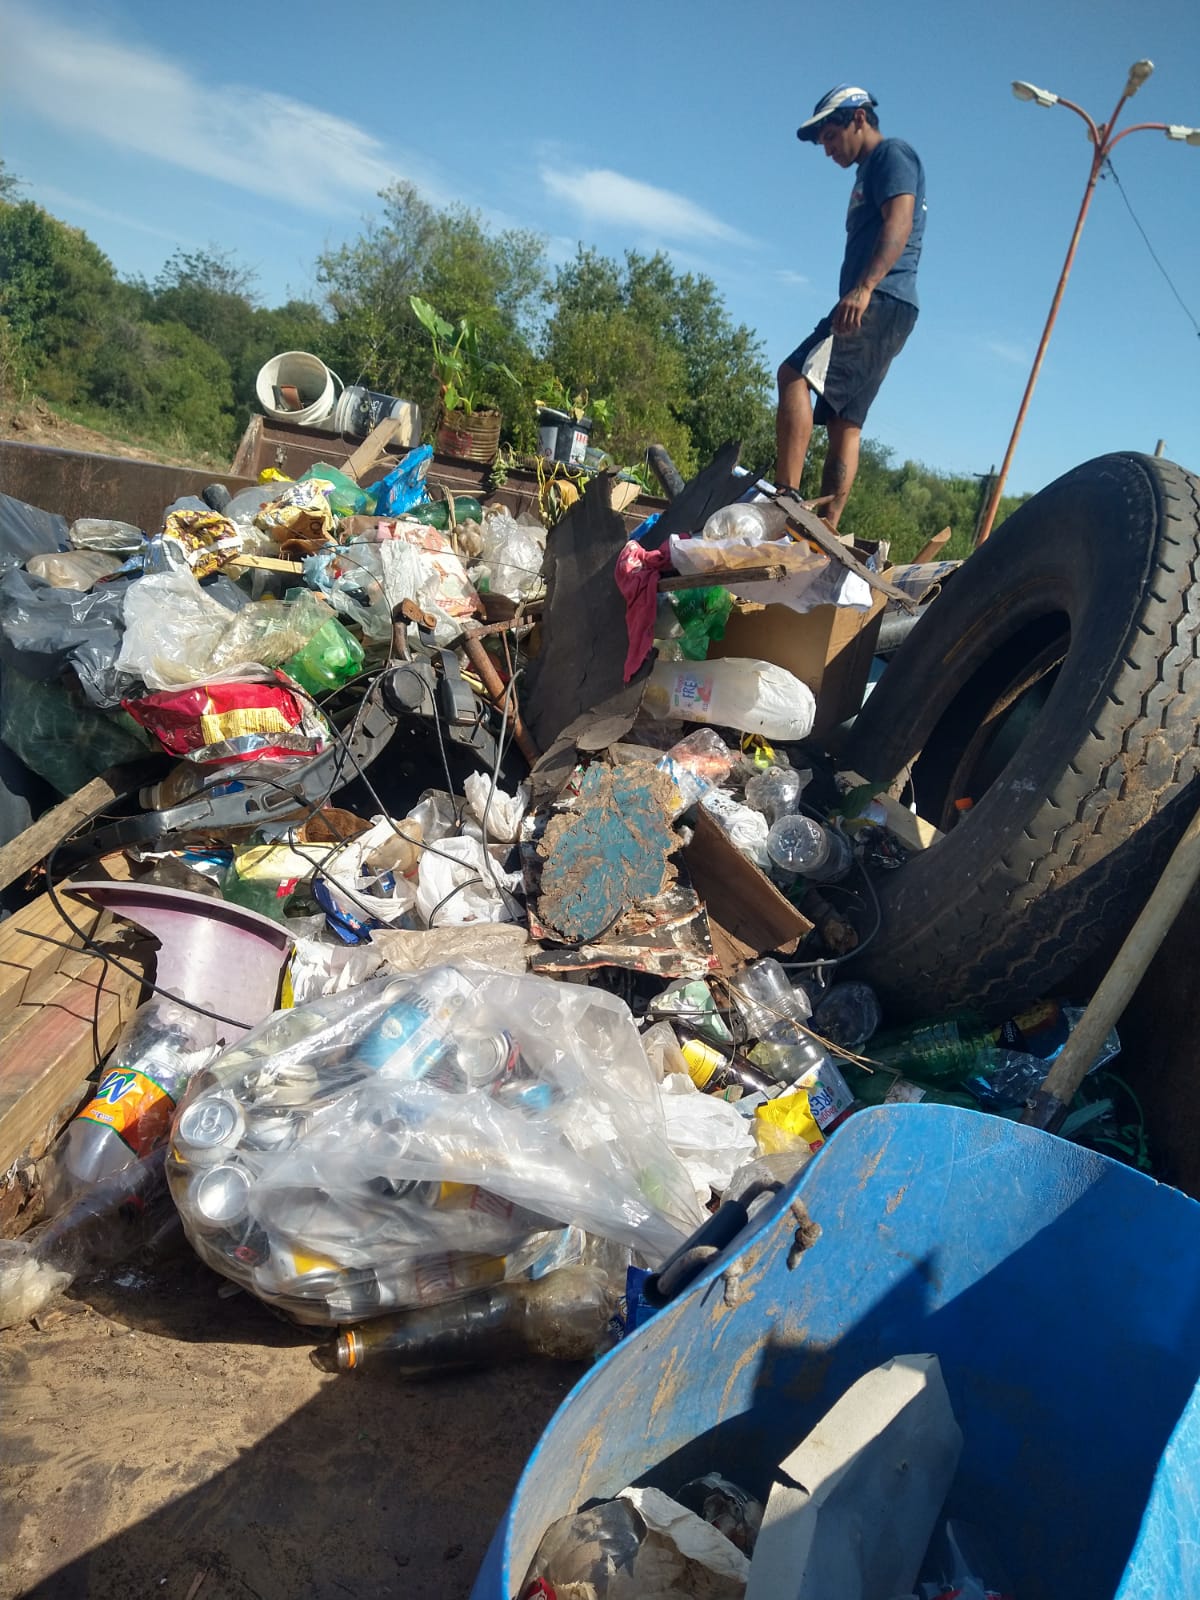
x: 841, y: 465
x: 793, y: 427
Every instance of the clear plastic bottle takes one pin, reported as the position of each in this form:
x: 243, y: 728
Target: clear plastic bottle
x: 775, y: 792
x: 848, y: 1014
x: 741, y: 523
x: 805, y: 846
x: 147, y: 1072
x: 776, y: 1012
x: 733, y: 692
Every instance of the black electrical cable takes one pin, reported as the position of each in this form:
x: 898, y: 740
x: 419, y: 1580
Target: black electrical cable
x: 1153, y: 255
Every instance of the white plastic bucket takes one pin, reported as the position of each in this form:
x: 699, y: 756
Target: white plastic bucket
x: 359, y: 410
x: 309, y: 376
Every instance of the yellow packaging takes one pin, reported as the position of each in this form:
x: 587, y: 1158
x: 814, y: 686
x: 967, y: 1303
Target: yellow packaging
x: 785, y: 1122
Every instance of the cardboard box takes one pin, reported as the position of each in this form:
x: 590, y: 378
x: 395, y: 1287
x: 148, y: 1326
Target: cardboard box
x: 830, y: 649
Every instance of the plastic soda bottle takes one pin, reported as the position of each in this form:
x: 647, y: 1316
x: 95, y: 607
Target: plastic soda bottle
x: 147, y: 1072
x: 330, y: 658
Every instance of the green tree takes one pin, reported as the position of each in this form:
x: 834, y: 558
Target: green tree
x: 163, y: 380
x: 449, y: 258
x: 701, y: 380
x: 56, y: 292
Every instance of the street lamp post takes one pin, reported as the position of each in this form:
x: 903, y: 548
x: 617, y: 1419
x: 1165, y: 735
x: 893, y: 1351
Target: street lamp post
x: 1103, y: 139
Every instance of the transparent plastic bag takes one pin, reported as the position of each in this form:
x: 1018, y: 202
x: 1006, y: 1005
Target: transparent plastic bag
x: 416, y: 1137
x: 270, y: 632
x: 172, y: 629
x: 47, y: 629
x: 461, y: 883
x: 351, y: 579
x: 513, y: 551
x: 709, y: 1136
x: 26, y: 531
x: 73, y: 569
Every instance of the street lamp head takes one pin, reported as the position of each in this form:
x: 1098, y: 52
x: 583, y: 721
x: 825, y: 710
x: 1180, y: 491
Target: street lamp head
x: 1138, y: 73
x: 1030, y: 91
x: 1176, y: 130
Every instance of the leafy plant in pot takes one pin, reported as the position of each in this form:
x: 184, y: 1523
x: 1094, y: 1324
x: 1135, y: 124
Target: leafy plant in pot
x: 468, y: 422
x: 565, y: 420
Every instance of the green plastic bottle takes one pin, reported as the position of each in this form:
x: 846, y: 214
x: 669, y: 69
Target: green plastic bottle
x: 884, y: 1087
x: 946, y: 1050
x: 436, y: 513
x: 330, y: 658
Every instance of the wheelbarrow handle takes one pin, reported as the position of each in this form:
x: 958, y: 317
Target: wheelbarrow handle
x: 730, y: 1219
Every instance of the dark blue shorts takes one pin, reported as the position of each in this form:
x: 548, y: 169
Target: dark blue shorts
x: 846, y: 369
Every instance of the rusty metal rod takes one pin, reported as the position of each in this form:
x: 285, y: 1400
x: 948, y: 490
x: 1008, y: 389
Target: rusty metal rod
x: 492, y: 682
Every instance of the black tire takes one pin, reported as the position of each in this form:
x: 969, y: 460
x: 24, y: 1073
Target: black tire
x: 1081, y: 616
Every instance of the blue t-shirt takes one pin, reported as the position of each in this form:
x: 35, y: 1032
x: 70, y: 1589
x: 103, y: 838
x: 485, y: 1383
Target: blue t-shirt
x: 892, y: 168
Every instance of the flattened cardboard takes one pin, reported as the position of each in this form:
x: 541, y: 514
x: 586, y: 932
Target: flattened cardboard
x: 746, y: 912
x: 829, y: 649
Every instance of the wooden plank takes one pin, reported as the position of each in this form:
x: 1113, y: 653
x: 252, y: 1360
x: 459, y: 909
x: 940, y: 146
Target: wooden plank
x: 264, y: 564
x: 35, y: 844
x: 28, y: 953
x: 373, y: 447
x: 774, y: 573
x: 55, y: 1039
x: 933, y: 550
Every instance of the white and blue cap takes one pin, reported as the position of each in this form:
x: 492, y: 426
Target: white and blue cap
x: 846, y: 97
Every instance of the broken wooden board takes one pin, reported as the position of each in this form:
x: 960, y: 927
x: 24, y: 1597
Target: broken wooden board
x: 746, y: 912
x: 58, y: 1034
x: 24, y: 852
x: 584, y: 638
x: 607, y: 853
x: 31, y: 943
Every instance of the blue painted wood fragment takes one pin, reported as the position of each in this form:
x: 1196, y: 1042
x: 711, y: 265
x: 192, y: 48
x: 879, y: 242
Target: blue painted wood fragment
x: 608, y: 853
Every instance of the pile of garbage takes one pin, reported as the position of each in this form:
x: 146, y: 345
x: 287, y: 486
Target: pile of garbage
x: 533, y: 1025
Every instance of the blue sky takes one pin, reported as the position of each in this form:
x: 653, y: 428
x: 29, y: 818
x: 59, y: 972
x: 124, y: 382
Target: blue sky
x: 268, y: 130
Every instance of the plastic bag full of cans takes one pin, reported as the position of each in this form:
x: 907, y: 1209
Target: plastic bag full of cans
x: 418, y: 1136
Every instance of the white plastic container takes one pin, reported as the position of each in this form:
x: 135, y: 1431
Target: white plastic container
x: 753, y: 696
x: 359, y: 410
x: 309, y: 376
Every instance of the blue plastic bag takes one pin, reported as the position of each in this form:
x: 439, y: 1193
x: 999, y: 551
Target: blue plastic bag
x: 404, y: 487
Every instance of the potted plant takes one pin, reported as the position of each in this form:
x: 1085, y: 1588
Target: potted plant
x: 564, y: 425
x: 468, y: 422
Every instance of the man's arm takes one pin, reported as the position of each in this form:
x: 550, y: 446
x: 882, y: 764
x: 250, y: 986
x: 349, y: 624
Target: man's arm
x: 893, y: 236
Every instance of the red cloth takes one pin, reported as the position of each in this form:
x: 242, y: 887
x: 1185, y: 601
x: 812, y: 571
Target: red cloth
x: 638, y: 572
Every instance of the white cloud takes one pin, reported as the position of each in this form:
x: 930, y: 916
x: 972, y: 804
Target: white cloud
x: 604, y: 196
x: 142, y: 101
x: 60, y: 200
x: 794, y: 280
x: 1015, y: 354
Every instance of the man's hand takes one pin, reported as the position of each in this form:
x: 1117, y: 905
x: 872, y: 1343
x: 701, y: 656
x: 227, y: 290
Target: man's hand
x: 848, y: 313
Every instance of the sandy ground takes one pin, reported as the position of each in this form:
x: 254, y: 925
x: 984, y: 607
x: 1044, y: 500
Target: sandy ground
x: 160, y: 1440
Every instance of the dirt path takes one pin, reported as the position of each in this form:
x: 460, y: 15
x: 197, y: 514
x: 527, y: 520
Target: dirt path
x: 161, y: 1441
x: 37, y: 423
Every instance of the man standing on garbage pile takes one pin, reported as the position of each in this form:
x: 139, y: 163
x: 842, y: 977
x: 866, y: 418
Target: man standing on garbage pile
x: 846, y: 357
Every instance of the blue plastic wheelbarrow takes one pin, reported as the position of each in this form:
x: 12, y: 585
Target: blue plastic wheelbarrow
x: 1059, y: 1289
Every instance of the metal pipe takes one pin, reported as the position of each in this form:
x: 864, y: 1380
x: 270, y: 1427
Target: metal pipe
x: 1103, y: 139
